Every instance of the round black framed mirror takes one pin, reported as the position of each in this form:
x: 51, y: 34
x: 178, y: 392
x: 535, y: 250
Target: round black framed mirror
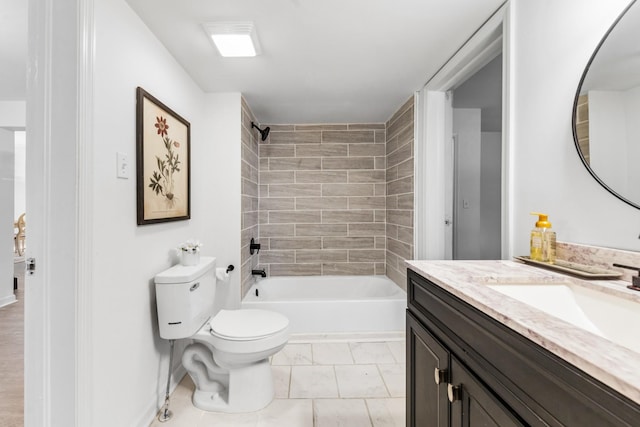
x: 606, y: 109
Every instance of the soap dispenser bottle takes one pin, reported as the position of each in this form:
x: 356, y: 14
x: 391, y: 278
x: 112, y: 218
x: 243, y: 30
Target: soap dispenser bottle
x: 543, y: 240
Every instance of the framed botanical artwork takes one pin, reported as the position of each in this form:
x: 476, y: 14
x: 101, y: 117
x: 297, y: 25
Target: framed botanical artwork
x: 163, y: 162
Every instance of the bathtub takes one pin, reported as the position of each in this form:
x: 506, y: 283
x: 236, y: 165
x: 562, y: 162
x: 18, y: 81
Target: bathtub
x: 332, y: 304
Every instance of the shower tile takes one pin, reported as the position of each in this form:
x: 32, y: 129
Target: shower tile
x: 294, y: 217
x: 277, y: 177
x: 380, y: 136
x: 280, y: 128
x: 277, y: 257
x: 347, y: 216
x: 331, y: 354
x: 348, y: 163
x: 348, y: 242
x: 405, y: 234
x: 337, y: 412
x: 277, y: 203
x: 322, y: 150
x: 356, y: 150
x: 394, y: 378
x: 402, y: 120
x: 277, y: 150
x: 295, y: 163
x: 303, y: 203
x: 295, y: 243
x: 360, y: 381
x: 321, y: 229
x: 392, y: 202
x: 405, y: 168
x: 295, y: 270
x: 313, y: 382
x: 319, y: 177
x: 293, y: 354
x: 367, y: 255
x: 348, y: 136
x: 295, y: 190
x: 347, y: 189
x: 366, y: 176
x: 387, y: 412
x: 403, y: 250
x: 371, y: 229
x: 371, y: 352
x: 380, y: 215
x: 380, y: 162
x: 340, y: 269
x: 400, y: 217
x: 405, y: 201
x: 295, y: 137
x: 381, y: 242
x: 380, y: 189
x: 367, y: 126
x: 380, y: 268
x: 379, y: 202
x: 400, y: 155
x: 281, y: 380
x: 321, y: 256
x: 400, y: 186
x: 281, y: 230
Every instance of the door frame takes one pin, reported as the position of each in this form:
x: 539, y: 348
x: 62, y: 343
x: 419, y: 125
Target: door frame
x: 58, y: 327
x: 492, y: 38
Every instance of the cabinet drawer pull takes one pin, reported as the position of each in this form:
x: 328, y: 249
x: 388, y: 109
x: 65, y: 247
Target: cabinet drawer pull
x: 453, y: 392
x: 439, y: 375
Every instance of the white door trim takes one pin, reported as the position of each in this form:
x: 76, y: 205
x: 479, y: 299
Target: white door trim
x: 59, y: 157
x: 484, y: 45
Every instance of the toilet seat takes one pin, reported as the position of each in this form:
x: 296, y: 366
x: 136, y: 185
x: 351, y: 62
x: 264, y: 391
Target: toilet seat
x: 247, y: 324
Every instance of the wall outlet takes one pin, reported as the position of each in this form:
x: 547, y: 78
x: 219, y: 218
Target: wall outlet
x: 122, y: 164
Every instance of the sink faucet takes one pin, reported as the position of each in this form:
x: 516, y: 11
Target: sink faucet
x: 635, y: 280
x: 260, y: 273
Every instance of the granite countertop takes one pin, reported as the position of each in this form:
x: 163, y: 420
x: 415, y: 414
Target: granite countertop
x: 610, y: 363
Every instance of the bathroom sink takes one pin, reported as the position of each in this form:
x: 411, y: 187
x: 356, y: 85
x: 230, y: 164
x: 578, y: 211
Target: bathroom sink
x: 612, y: 317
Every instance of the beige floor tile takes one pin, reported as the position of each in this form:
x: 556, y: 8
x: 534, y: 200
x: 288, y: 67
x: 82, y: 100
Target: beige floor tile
x: 399, y: 350
x: 281, y: 379
x: 331, y: 354
x: 293, y: 354
x: 394, y: 378
x: 287, y: 412
x: 313, y: 382
x: 360, y: 381
x: 371, y: 352
x: 340, y: 413
x: 387, y: 412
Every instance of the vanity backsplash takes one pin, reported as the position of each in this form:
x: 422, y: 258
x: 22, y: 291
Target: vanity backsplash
x: 599, y: 257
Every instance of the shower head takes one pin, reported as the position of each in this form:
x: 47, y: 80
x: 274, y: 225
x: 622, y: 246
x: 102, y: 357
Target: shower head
x: 263, y: 133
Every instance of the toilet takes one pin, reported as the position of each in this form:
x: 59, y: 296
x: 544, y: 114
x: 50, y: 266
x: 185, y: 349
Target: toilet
x: 228, y: 360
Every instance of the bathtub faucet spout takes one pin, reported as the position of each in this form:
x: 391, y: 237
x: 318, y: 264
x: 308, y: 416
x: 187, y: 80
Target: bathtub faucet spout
x: 260, y: 273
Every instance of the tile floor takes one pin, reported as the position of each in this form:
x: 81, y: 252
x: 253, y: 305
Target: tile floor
x: 319, y: 384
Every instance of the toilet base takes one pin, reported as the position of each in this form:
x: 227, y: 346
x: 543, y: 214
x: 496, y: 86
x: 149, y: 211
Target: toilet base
x: 240, y: 389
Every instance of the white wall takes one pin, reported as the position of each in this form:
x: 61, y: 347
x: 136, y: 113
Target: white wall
x: 6, y: 216
x: 632, y: 103
x: 130, y: 360
x: 552, y: 42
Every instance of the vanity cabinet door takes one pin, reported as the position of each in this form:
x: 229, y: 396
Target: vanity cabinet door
x: 473, y: 405
x: 427, y: 378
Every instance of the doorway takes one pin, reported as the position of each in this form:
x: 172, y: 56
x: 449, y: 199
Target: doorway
x: 462, y: 173
x: 474, y: 175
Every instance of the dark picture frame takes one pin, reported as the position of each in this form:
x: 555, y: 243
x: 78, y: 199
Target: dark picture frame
x: 163, y: 159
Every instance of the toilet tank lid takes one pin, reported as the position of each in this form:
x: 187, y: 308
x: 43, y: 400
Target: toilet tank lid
x: 185, y: 273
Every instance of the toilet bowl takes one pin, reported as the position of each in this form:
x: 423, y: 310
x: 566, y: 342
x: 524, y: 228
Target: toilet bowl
x: 229, y: 358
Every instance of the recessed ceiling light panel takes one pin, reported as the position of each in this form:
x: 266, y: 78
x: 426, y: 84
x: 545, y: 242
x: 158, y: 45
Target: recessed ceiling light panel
x: 233, y: 39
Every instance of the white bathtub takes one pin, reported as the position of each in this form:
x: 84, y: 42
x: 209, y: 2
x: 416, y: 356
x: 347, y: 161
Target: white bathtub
x: 332, y: 304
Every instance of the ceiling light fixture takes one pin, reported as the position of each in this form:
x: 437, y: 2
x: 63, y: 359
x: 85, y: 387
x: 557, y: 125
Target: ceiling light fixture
x: 234, y: 39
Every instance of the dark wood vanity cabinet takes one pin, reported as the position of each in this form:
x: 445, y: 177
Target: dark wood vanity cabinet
x: 466, y: 369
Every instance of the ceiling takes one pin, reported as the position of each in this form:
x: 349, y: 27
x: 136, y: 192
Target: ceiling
x: 322, y: 61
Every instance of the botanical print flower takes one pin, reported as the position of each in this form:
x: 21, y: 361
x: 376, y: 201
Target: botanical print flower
x: 161, y: 125
x: 162, y: 180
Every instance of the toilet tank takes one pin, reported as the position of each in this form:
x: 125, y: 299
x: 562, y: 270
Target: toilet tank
x: 184, y: 296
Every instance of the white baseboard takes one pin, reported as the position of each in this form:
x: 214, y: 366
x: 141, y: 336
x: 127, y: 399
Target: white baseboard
x: 9, y: 299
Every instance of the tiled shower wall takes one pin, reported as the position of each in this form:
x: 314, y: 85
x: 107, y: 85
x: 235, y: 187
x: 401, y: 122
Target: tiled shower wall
x: 250, y: 193
x: 322, y: 200
x: 400, y: 192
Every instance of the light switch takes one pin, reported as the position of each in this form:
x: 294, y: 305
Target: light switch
x: 122, y: 163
